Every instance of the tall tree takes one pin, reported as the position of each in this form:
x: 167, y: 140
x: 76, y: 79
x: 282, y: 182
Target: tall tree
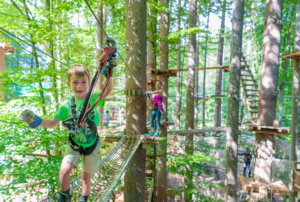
x: 178, y: 98
x: 135, y: 53
x: 295, y: 98
x: 264, y: 145
x: 204, y: 71
x: 286, y: 63
x: 219, y: 73
x: 99, y: 51
x: 196, y: 77
x: 152, y: 32
x: 233, y: 101
x: 164, y: 61
x: 189, y: 121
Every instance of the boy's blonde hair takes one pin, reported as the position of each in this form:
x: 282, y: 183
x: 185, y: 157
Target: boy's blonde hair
x: 79, y: 71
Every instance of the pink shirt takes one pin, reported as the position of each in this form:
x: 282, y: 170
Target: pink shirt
x: 157, y: 99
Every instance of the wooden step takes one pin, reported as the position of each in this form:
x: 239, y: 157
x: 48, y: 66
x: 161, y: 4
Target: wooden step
x: 252, y: 95
x: 253, y: 106
x: 251, y: 90
x: 252, y: 111
x: 250, y: 100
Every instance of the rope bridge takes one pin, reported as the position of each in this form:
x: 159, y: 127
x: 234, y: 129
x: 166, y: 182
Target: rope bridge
x: 111, y: 168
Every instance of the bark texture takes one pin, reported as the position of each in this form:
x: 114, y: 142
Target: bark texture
x: 233, y: 101
x: 219, y: 72
x: 135, y: 54
x: 189, y: 121
x: 264, y: 145
x: 164, y: 61
x: 295, y: 98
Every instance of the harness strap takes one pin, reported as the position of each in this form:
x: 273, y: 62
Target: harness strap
x: 73, y: 107
x: 82, y: 150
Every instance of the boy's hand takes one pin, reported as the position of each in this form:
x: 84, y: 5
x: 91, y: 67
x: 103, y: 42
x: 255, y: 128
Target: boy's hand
x: 29, y: 117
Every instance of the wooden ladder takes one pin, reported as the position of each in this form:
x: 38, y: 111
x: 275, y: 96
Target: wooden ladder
x: 250, y: 90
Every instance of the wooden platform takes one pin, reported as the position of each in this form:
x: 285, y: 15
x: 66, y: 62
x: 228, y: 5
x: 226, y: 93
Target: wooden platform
x: 295, y: 55
x: 173, y: 72
x: 200, y: 131
x: 167, y: 122
x: 295, y: 177
x: 164, y: 72
x: 117, y: 137
x: 6, y: 48
x: 276, y: 187
x: 267, y: 129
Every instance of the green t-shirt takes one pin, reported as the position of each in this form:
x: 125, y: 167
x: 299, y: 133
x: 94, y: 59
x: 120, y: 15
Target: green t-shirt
x: 87, y: 137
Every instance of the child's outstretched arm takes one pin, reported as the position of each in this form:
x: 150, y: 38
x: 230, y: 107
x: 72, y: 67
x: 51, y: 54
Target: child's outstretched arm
x: 34, y: 120
x: 50, y: 123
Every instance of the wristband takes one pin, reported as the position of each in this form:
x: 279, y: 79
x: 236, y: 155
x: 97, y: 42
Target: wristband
x: 37, y: 121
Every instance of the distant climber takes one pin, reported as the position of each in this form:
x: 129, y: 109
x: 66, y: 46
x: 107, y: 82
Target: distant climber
x: 248, y: 158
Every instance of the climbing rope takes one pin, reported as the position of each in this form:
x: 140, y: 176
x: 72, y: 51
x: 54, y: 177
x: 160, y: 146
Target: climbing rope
x: 111, y: 169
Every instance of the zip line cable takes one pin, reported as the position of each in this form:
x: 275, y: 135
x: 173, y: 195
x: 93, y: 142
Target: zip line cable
x: 87, y: 3
x: 32, y: 46
x: 21, y: 45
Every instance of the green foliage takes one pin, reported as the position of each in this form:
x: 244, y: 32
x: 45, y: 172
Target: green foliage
x: 177, y: 164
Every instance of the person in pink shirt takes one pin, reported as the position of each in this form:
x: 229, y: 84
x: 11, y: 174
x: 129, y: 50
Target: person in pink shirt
x: 157, y: 110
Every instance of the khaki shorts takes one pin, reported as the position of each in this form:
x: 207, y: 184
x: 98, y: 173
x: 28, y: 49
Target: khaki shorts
x: 90, y: 162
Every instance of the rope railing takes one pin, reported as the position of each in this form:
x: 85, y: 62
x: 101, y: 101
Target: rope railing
x: 111, y: 168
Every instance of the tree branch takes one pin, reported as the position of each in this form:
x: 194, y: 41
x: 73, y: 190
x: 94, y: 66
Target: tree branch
x: 17, y: 7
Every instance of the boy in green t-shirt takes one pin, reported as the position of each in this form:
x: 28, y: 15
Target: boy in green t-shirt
x: 78, y: 78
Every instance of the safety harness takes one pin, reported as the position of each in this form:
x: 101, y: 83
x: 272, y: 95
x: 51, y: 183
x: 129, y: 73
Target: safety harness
x: 71, y: 125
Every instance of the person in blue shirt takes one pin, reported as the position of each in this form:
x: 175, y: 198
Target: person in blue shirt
x: 248, y: 158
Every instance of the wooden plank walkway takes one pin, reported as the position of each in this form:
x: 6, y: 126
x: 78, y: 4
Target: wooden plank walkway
x: 200, y: 131
x: 267, y: 129
x: 277, y: 186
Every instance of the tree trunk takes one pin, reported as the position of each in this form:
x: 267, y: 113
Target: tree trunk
x: 285, y: 64
x: 99, y: 52
x: 295, y: 98
x: 178, y: 98
x: 204, y: 75
x: 196, y: 77
x: 219, y: 76
x: 136, y: 52
x: 264, y: 145
x: 151, y: 52
x: 233, y: 101
x: 189, y: 122
x: 164, y: 61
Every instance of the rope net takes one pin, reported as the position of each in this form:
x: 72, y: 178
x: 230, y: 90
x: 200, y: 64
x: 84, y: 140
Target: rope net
x: 111, y: 169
